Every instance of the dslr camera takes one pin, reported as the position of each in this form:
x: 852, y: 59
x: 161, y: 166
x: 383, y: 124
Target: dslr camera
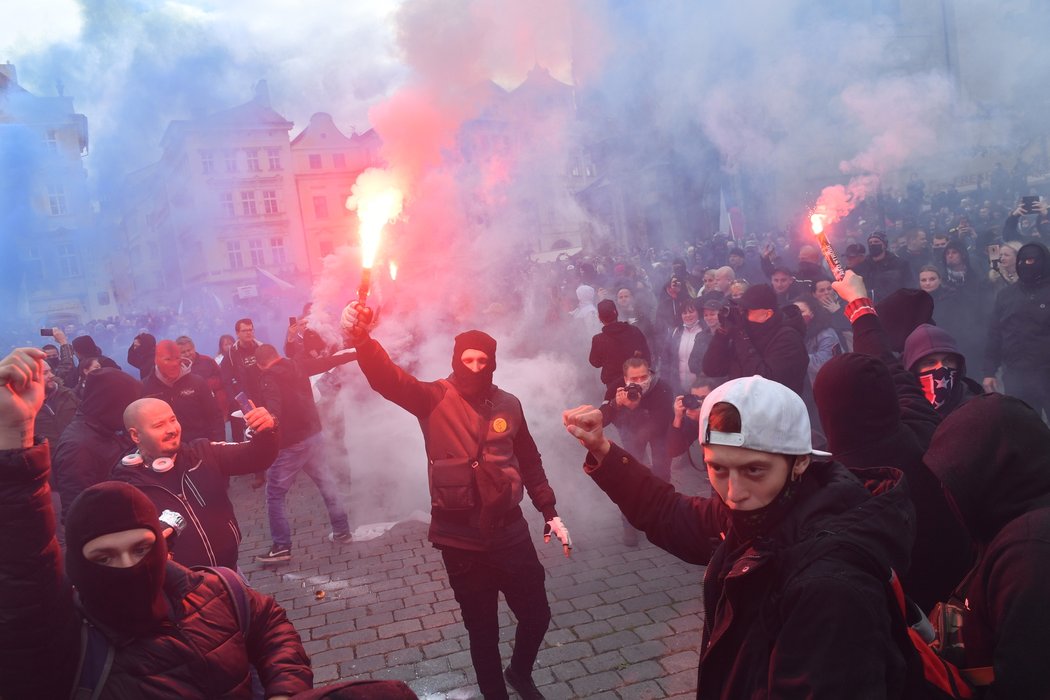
x: 691, y: 401
x: 634, y: 392
x: 730, y: 314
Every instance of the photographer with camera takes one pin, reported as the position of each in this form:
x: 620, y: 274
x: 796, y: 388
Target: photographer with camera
x: 752, y: 338
x: 642, y: 411
x: 686, y: 424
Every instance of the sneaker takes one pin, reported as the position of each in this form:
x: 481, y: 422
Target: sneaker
x: 346, y: 538
x: 523, y: 684
x: 275, y: 555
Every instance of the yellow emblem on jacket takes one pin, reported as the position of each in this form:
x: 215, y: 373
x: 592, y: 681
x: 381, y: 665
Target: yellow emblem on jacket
x: 500, y: 425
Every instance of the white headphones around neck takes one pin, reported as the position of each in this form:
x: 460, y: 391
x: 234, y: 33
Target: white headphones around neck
x: 159, y: 465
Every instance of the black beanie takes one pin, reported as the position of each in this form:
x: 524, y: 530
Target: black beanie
x: 85, y: 345
x: 856, y: 400
x: 107, y: 392
x: 759, y: 296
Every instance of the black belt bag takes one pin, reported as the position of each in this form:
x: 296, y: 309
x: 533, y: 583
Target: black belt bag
x: 453, y: 480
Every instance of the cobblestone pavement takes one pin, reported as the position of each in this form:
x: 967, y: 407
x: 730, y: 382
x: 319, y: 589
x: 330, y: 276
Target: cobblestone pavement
x: 626, y: 620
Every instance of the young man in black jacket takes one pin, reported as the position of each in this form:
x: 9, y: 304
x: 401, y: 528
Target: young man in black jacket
x: 618, y: 342
x: 286, y: 391
x: 482, y: 459
x: 173, y: 632
x: 795, y: 546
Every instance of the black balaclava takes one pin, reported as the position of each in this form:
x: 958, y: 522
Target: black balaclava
x: 472, y: 384
x: 107, y: 392
x: 128, y: 600
x: 1032, y: 265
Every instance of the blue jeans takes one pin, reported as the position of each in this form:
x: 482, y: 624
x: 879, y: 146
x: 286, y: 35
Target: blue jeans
x: 304, y: 455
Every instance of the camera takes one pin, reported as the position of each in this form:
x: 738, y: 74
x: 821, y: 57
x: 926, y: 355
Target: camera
x: 691, y: 402
x: 634, y: 392
x: 730, y: 314
x: 47, y: 332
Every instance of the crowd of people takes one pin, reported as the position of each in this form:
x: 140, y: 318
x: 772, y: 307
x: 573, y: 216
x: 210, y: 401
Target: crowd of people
x: 879, y: 433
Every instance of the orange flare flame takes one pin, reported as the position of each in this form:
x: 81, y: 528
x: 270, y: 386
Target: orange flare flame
x: 378, y: 201
x: 817, y: 222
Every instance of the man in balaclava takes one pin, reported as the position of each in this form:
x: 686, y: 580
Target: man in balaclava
x: 168, y: 631
x: 884, y: 272
x: 481, y: 460
x: 1019, y: 332
x: 933, y: 356
x: 95, y: 440
x: 753, y: 338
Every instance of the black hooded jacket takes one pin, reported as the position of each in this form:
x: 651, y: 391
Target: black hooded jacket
x: 800, y: 612
x: 774, y: 350
x: 1019, y: 331
x: 95, y: 439
x: 963, y: 309
x: 875, y: 414
x: 993, y: 456
x: 617, y: 343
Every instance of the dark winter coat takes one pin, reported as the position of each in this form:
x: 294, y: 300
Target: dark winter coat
x: 874, y: 413
x: 193, y: 404
x: 1019, y: 331
x: 884, y: 277
x: 143, y: 357
x: 95, y: 439
x: 649, y: 422
x: 240, y: 371
x: 207, y: 369
x: 56, y: 413
x: 777, y: 351
x: 993, y: 457
x: 617, y: 343
x: 206, y: 655
x: 287, y: 394
x: 450, y: 424
x: 800, y: 612
x: 196, y: 488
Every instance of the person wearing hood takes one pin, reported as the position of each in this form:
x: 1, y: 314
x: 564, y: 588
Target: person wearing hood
x: 481, y: 460
x: 884, y: 272
x: 586, y: 313
x: 141, y: 353
x: 794, y: 546
x: 752, y: 338
x: 992, y: 457
x: 95, y: 439
x: 890, y: 424
x: 963, y: 309
x: 669, y: 306
x: 618, y: 342
x: 190, y: 477
x: 172, y: 632
x: 1019, y: 332
x: 933, y: 356
x: 173, y: 382
x: 89, y: 357
x: 288, y: 395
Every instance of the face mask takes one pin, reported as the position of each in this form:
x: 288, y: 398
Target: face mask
x: 1031, y: 269
x: 938, y: 385
x: 646, y: 384
x: 876, y: 249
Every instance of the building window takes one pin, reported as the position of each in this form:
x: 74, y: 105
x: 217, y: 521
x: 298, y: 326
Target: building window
x: 270, y: 201
x: 56, y: 199
x: 326, y: 248
x: 51, y: 140
x: 253, y: 160
x: 207, y: 162
x: 68, y: 261
x: 274, y: 155
x: 34, y: 265
x: 248, y: 204
x: 255, y: 251
x: 339, y: 160
x: 226, y: 202
x: 320, y: 207
x: 277, y: 250
x: 315, y: 162
x: 231, y: 161
x: 233, y: 254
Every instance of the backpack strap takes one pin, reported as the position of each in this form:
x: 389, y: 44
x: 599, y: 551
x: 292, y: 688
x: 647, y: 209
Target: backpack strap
x: 96, y: 660
x: 238, y: 592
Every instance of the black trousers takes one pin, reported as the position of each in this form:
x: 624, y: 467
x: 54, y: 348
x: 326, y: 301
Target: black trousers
x: 477, y: 578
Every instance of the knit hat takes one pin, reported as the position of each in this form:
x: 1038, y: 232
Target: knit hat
x: 759, y: 296
x: 880, y: 235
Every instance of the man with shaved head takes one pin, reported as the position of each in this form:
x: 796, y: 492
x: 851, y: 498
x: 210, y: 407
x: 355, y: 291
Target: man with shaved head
x: 190, y: 478
x: 188, y: 394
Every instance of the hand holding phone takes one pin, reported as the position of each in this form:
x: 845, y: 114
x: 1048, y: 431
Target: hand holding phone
x: 1028, y: 204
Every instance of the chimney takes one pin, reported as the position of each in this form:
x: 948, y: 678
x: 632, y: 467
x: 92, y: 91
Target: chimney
x: 262, y: 93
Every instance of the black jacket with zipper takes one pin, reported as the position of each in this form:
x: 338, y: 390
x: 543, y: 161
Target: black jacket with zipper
x: 196, y: 488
